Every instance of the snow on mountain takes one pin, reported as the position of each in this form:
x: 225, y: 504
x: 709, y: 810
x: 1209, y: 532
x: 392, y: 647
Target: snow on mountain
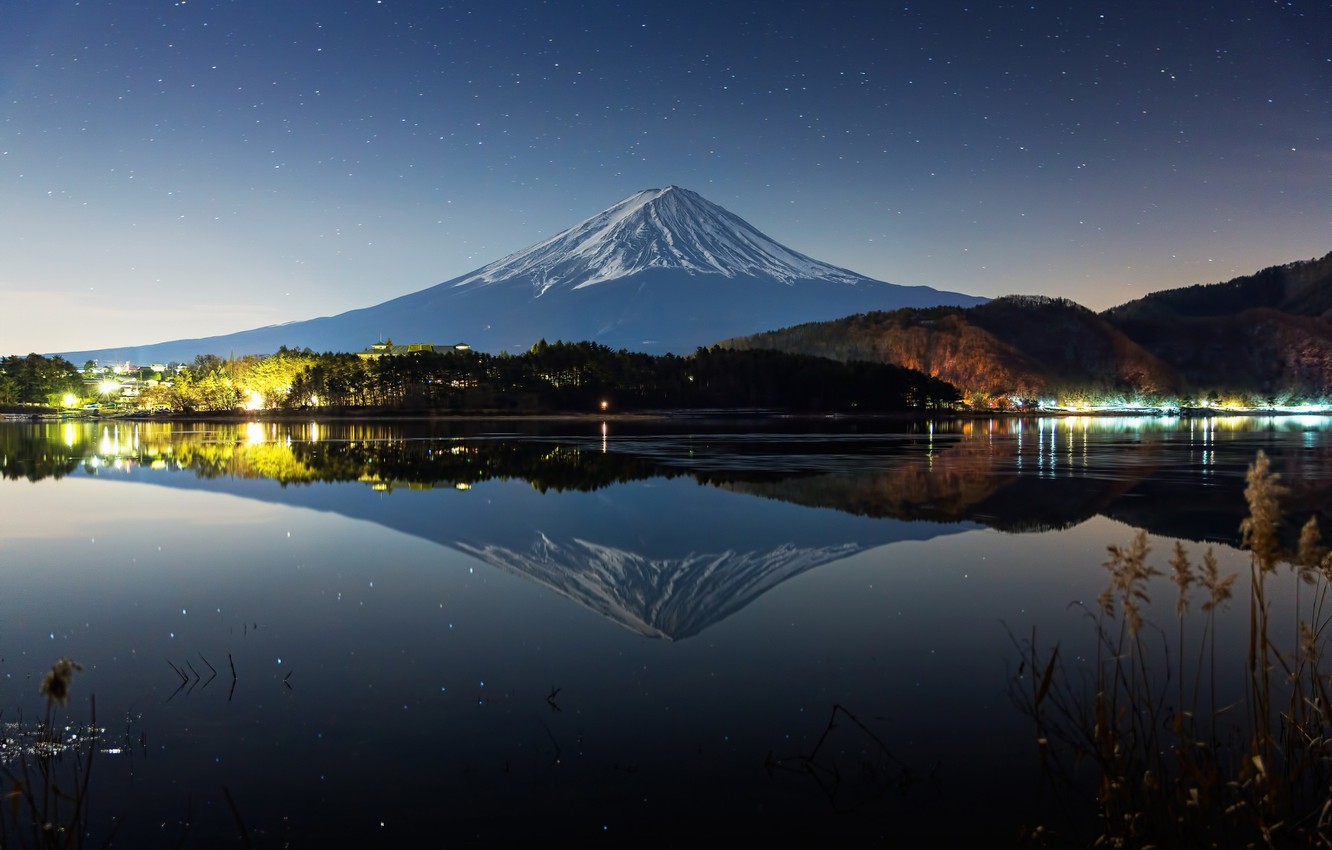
x: 664, y: 270
x: 668, y: 598
x: 669, y: 228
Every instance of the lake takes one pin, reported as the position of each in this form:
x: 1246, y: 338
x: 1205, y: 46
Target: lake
x: 477, y: 632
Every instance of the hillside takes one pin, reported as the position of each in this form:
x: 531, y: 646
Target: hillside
x: 1268, y: 334
x: 1262, y: 339
x: 1301, y: 288
x: 1018, y: 346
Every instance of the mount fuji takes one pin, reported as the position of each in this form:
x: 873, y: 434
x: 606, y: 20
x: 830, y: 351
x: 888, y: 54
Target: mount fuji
x: 663, y: 270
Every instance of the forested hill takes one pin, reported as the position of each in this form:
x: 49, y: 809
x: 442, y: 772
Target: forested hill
x: 1258, y: 340
x: 1268, y: 333
x: 1302, y: 289
x: 1018, y: 346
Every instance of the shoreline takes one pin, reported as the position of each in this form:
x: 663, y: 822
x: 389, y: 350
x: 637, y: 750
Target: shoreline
x: 12, y: 414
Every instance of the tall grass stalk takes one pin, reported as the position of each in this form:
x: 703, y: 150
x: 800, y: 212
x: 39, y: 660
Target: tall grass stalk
x: 1170, y: 766
x: 42, y: 809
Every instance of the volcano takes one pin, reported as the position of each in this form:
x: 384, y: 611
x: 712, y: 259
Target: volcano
x: 664, y: 270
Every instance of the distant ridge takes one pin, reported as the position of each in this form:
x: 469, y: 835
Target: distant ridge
x: 1268, y: 334
x: 663, y: 270
x: 1023, y: 346
x: 1301, y: 288
x: 1266, y: 337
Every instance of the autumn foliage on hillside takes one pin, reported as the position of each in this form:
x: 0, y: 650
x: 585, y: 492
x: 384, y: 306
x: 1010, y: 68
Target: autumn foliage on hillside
x: 1258, y: 341
x: 1015, y: 348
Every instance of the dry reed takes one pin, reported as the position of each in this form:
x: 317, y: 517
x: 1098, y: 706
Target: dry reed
x: 1140, y: 754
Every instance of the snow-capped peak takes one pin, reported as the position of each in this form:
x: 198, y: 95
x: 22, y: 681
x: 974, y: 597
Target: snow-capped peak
x: 670, y: 228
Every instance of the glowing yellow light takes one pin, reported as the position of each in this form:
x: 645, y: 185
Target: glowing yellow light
x: 70, y: 400
x: 254, y: 433
x: 605, y: 404
x: 108, y: 387
x: 462, y: 485
x: 254, y: 402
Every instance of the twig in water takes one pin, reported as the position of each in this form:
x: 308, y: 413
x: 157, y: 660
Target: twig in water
x: 826, y: 771
x: 182, y: 676
x: 235, y: 814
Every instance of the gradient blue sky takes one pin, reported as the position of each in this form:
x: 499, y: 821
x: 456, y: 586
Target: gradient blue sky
x: 174, y: 169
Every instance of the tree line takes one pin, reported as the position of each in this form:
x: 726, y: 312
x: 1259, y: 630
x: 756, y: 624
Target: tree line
x: 560, y: 376
x: 35, y: 379
x: 564, y: 376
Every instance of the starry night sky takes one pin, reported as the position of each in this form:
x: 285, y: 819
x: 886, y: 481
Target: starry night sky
x: 173, y: 169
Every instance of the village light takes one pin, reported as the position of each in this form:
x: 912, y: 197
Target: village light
x: 70, y: 400
x: 604, y: 405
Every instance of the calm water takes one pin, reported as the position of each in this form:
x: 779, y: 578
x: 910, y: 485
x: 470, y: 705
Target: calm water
x: 454, y: 635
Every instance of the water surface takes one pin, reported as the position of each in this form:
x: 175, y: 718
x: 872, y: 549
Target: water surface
x: 472, y: 633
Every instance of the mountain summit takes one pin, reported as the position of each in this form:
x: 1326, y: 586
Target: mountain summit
x: 663, y: 270
x: 669, y: 228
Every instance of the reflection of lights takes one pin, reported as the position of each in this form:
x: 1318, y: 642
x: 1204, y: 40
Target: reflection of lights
x: 254, y: 433
x: 1305, y: 408
x: 69, y: 434
x: 314, y: 432
x: 108, y: 444
x: 1305, y: 421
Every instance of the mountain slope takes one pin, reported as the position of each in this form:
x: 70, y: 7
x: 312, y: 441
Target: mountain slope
x: 1264, y: 338
x: 662, y: 270
x: 1301, y: 288
x: 1267, y: 334
x: 1022, y: 346
x: 669, y: 228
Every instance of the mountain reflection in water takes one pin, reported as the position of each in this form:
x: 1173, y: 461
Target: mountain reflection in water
x: 407, y: 660
x: 1181, y: 478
